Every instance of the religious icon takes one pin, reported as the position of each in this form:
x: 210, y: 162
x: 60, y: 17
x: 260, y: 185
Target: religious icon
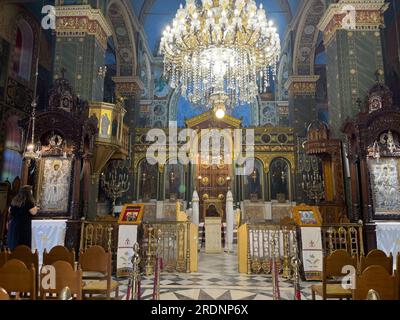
x: 131, y: 214
x: 307, y: 216
x: 105, y: 124
x: 221, y: 181
x: 385, y: 185
x: 205, y: 181
x: 55, y: 185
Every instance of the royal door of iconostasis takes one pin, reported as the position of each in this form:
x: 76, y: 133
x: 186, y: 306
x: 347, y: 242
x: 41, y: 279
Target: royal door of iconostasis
x: 213, y: 183
x: 214, y: 175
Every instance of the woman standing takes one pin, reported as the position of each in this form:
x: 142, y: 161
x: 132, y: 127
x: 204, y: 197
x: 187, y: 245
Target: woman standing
x: 21, y: 211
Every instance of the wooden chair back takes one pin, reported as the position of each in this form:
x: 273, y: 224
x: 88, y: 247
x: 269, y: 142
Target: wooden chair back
x: 24, y: 254
x: 376, y: 278
x: 334, y: 263
x: 16, y: 277
x: 4, y: 295
x: 333, y: 267
x: 66, y: 276
x: 379, y: 258
x: 59, y: 253
x: 3, y: 258
x: 96, y: 259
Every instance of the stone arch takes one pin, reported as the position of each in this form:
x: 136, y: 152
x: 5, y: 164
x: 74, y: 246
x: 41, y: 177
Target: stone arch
x: 124, y: 39
x: 173, y: 104
x: 26, y: 19
x: 280, y: 184
x: 306, y: 38
x: 282, y: 76
x: 145, y: 68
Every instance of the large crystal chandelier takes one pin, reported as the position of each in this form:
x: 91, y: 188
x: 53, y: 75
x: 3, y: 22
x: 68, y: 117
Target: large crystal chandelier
x: 220, y: 53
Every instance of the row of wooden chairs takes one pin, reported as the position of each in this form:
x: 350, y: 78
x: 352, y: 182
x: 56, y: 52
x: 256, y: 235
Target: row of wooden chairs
x: 373, y: 272
x: 90, y: 276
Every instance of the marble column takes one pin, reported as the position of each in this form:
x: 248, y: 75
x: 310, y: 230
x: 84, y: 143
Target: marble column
x: 229, y: 222
x: 353, y: 42
x: 196, y: 208
x: 302, y: 103
x: 81, y: 35
x: 75, y: 204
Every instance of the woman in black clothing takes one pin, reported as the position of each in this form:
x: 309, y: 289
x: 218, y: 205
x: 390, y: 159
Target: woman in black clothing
x: 21, y: 211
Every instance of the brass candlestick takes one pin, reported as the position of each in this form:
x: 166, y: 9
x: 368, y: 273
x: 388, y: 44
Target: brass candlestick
x: 149, y: 269
x: 158, y: 267
x: 296, y: 277
x: 135, y: 274
x: 286, y: 254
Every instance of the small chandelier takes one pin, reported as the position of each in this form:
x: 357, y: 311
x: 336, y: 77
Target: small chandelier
x: 32, y: 151
x: 224, y: 51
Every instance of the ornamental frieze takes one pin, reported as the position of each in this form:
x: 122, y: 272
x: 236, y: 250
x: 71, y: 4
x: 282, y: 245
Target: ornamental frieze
x: 128, y: 86
x: 75, y: 21
x: 302, y: 85
x: 353, y: 15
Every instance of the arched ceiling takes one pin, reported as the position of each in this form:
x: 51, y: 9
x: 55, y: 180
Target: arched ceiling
x: 155, y: 15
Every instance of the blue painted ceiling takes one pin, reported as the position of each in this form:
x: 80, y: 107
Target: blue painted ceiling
x: 161, y: 13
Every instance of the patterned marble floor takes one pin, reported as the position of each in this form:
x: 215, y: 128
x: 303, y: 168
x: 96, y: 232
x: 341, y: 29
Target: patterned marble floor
x: 218, y: 279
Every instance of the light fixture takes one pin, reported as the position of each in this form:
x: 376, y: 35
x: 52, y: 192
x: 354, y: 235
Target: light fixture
x: 218, y: 100
x: 220, y: 48
x: 32, y: 151
x: 102, y: 72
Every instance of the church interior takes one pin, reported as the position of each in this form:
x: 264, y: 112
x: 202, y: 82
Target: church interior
x: 200, y: 149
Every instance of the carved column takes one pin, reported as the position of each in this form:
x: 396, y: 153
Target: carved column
x: 86, y: 168
x: 352, y: 37
x: 302, y: 104
x: 75, y: 205
x: 25, y: 172
x: 130, y: 88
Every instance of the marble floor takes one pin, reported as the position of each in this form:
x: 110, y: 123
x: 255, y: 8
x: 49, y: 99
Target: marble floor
x: 218, y: 279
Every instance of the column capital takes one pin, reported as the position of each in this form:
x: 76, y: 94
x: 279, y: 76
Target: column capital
x: 79, y: 20
x: 366, y: 15
x: 302, y: 85
x: 128, y: 86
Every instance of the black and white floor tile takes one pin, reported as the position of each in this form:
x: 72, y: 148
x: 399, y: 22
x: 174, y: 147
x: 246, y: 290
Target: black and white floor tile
x: 217, y: 279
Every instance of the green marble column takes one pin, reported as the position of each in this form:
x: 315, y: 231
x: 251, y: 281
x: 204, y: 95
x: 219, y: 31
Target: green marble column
x: 81, y: 42
x: 302, y: 103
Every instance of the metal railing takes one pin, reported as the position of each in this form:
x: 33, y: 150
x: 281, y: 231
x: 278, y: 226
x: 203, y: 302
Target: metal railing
x: 267, y: 242
x: 173, y: 247
x: 343, y: 236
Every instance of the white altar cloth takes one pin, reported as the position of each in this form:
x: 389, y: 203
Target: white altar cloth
x: 388, y: 237
x: 47, y: 234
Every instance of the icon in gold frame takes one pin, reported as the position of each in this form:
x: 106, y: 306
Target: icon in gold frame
x: 131, y: 214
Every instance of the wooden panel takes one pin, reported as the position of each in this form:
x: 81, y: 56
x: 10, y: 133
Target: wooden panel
x: 212, y: 184
x: 193, y: 234
x: 243, y: 244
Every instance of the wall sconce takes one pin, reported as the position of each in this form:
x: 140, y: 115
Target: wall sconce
x: 102, y: 72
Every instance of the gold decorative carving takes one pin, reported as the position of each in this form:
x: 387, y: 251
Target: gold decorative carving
x: 302, y: 85
x: 368, y: 17
x: 73, y: 21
